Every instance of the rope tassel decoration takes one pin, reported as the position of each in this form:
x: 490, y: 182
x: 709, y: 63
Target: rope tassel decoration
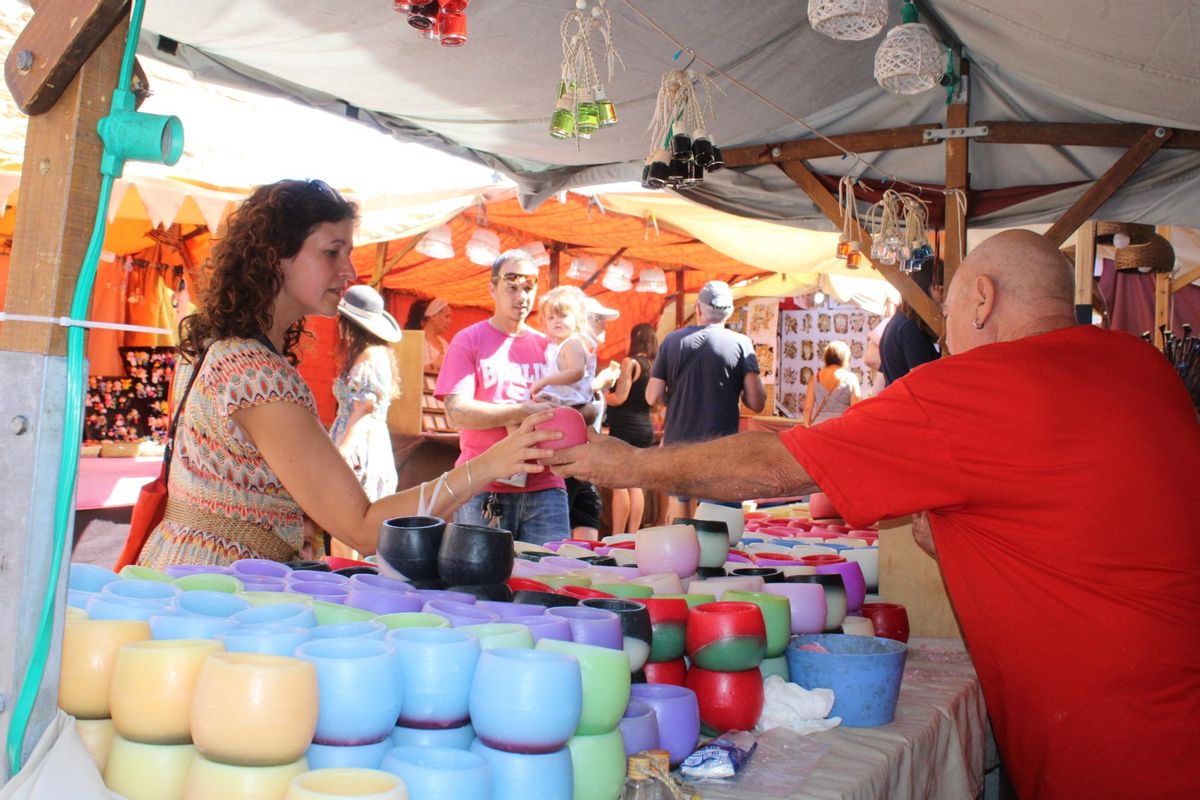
x: 682, y: 149
x: 582, y: 106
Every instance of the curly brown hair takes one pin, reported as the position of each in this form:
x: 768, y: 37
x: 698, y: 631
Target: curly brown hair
x: 242, y: 276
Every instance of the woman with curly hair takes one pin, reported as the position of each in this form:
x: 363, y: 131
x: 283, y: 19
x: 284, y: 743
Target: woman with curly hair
x: 251, y: 458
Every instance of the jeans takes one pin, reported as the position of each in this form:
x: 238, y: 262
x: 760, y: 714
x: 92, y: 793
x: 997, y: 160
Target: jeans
x: 533, y: 517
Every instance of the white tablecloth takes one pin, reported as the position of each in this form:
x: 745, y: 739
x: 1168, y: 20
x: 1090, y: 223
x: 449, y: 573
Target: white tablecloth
x: 934, y: 748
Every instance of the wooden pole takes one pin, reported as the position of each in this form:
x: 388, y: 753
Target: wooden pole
x: 1147, y: 145
x: 59, y: 195
x: 1162, y: 306
x: 806, y: 149
x: 679, y: 315
x: 958, y: 178
x: 1085, y: 261
x: 917, y: 300
x: 556, y: 249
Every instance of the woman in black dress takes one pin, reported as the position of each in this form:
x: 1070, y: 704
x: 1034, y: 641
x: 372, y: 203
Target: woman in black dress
x: 629, y: 419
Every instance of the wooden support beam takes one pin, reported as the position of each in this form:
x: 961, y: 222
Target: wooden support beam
x: 678, y: 295
x: 1085, y: 261
x: 54, y: 45
x: 556, y: 249
x: 1186, y: 278
x: 805, y: 149
x: 917, y: 300
x: 1162, y: 306
x: 1079, y: 134
x: 957, y: 178
x: 620, y: 252
x: 60, y: 189
x: 1114, y: 178
x: 380, y: 268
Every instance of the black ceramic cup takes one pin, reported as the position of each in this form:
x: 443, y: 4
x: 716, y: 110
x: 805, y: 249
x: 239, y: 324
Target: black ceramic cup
x: 768, y: 574
x: 546, y: 599
x: 410, y: 545
x: 312, y: 566
x: 488, y: 591
x: 472, y: 554
x: 635, y: 626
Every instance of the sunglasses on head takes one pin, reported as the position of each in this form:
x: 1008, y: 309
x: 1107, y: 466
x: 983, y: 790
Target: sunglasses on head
x: 327, y: 191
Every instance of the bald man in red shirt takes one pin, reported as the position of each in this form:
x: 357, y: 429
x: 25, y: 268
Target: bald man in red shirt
x: 1053, y: 466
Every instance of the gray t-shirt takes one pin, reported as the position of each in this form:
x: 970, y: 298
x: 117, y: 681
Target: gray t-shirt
x: 704, y: 367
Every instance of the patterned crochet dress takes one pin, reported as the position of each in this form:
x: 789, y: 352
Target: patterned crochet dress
x: 217, y: 472
x: 370, y: 454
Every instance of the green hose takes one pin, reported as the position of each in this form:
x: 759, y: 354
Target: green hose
x: 64, y: 501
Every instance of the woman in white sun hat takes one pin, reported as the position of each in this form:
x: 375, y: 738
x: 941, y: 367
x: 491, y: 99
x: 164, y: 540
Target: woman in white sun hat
x: 364, y: 389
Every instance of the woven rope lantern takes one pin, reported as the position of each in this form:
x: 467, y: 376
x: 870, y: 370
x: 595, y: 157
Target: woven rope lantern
x: 848, y: 20
x: 1133, y: 233
x: 1157, y: 255
x: 910, y: 60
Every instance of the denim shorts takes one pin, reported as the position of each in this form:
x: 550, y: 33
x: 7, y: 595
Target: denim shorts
x: 533, y: 517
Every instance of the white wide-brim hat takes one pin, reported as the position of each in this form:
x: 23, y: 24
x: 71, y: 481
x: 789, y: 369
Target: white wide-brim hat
x: 363, y: 306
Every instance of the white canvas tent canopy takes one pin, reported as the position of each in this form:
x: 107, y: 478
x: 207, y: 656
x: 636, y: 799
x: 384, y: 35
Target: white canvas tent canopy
x: 1071, y: 61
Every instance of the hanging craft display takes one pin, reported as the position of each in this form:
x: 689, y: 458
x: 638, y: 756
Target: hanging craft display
x: 682, y: 149
x: 582, y: 106
x: 848, y: 20
x: 910, y: 59
x: 847, y: 246
x: 898, y: 223
x: 441, y: 20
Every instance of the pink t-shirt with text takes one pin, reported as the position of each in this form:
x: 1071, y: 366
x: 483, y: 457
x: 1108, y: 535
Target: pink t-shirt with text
x: 485, y: 364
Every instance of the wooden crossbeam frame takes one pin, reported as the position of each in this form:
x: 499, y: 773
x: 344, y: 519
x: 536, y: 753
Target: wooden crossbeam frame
x: 920, y: 302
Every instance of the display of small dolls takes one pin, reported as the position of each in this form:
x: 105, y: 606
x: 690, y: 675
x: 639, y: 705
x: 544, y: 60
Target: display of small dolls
x: 131, y: 407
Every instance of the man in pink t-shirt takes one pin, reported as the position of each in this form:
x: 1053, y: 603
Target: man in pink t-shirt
x: 485, y: 381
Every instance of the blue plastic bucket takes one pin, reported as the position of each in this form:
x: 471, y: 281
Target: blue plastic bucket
x: 864, y: 673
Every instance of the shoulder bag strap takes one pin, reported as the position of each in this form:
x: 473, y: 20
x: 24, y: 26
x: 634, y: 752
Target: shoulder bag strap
x: 170, y: 447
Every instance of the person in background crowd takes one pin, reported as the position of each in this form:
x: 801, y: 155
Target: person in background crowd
x: 364, y: 389
x: 907, y: 341
x: 566, y: 380
x: 1083, y: 636
x: 629, y: 419
x: 833, y: 389
x: 700, y: 374
x: 485, y: 381
x: 872, y: 360
x: 251, y: 456
x: 432, y: 317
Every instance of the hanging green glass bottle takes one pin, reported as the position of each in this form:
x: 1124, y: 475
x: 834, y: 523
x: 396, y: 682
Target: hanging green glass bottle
x: 562, y: 123
x: 608, y: 111
x: 587, y: 115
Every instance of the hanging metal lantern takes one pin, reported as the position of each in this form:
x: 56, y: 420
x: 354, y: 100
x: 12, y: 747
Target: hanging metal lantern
x: 910, y: 60
x: 848, y: 20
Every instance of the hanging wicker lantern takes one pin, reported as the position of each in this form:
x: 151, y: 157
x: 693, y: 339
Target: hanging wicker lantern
x: 1133, y: 232
x: 652, y: 279
x: 1157, y: 255
x: 483, y: 247
x: 910, y: 60
x: 848, y: 20
x: 582, y: 268
x: 438, y: 243
x: 537, y: 253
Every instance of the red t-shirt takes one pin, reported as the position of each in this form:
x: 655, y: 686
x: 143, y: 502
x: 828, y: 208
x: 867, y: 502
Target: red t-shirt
x: 1060, y: 476
x: 486, y: 364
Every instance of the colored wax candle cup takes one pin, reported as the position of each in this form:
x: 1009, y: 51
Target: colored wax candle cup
x: 340, y: 782
x: 521, y: 776
x: 526, y: 701
x: 731, y: 516
x: 668, y: 548
x: 890, y: 619
x: 636, y: 630
x: 254, y: 709
x: 474, y: 554
x: 777, y: 618
x: 152, y: 685
x: 89, y: 653
x: 668, y: 622
x: 436, y: 667
x: 605, y: 676
x: 677, y: 713
x: 409, y: 545
x: 726, y: 636
x: 728, y: 700
x: 359, y: 696
x: 439, y: 773
x: 569, y: 423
